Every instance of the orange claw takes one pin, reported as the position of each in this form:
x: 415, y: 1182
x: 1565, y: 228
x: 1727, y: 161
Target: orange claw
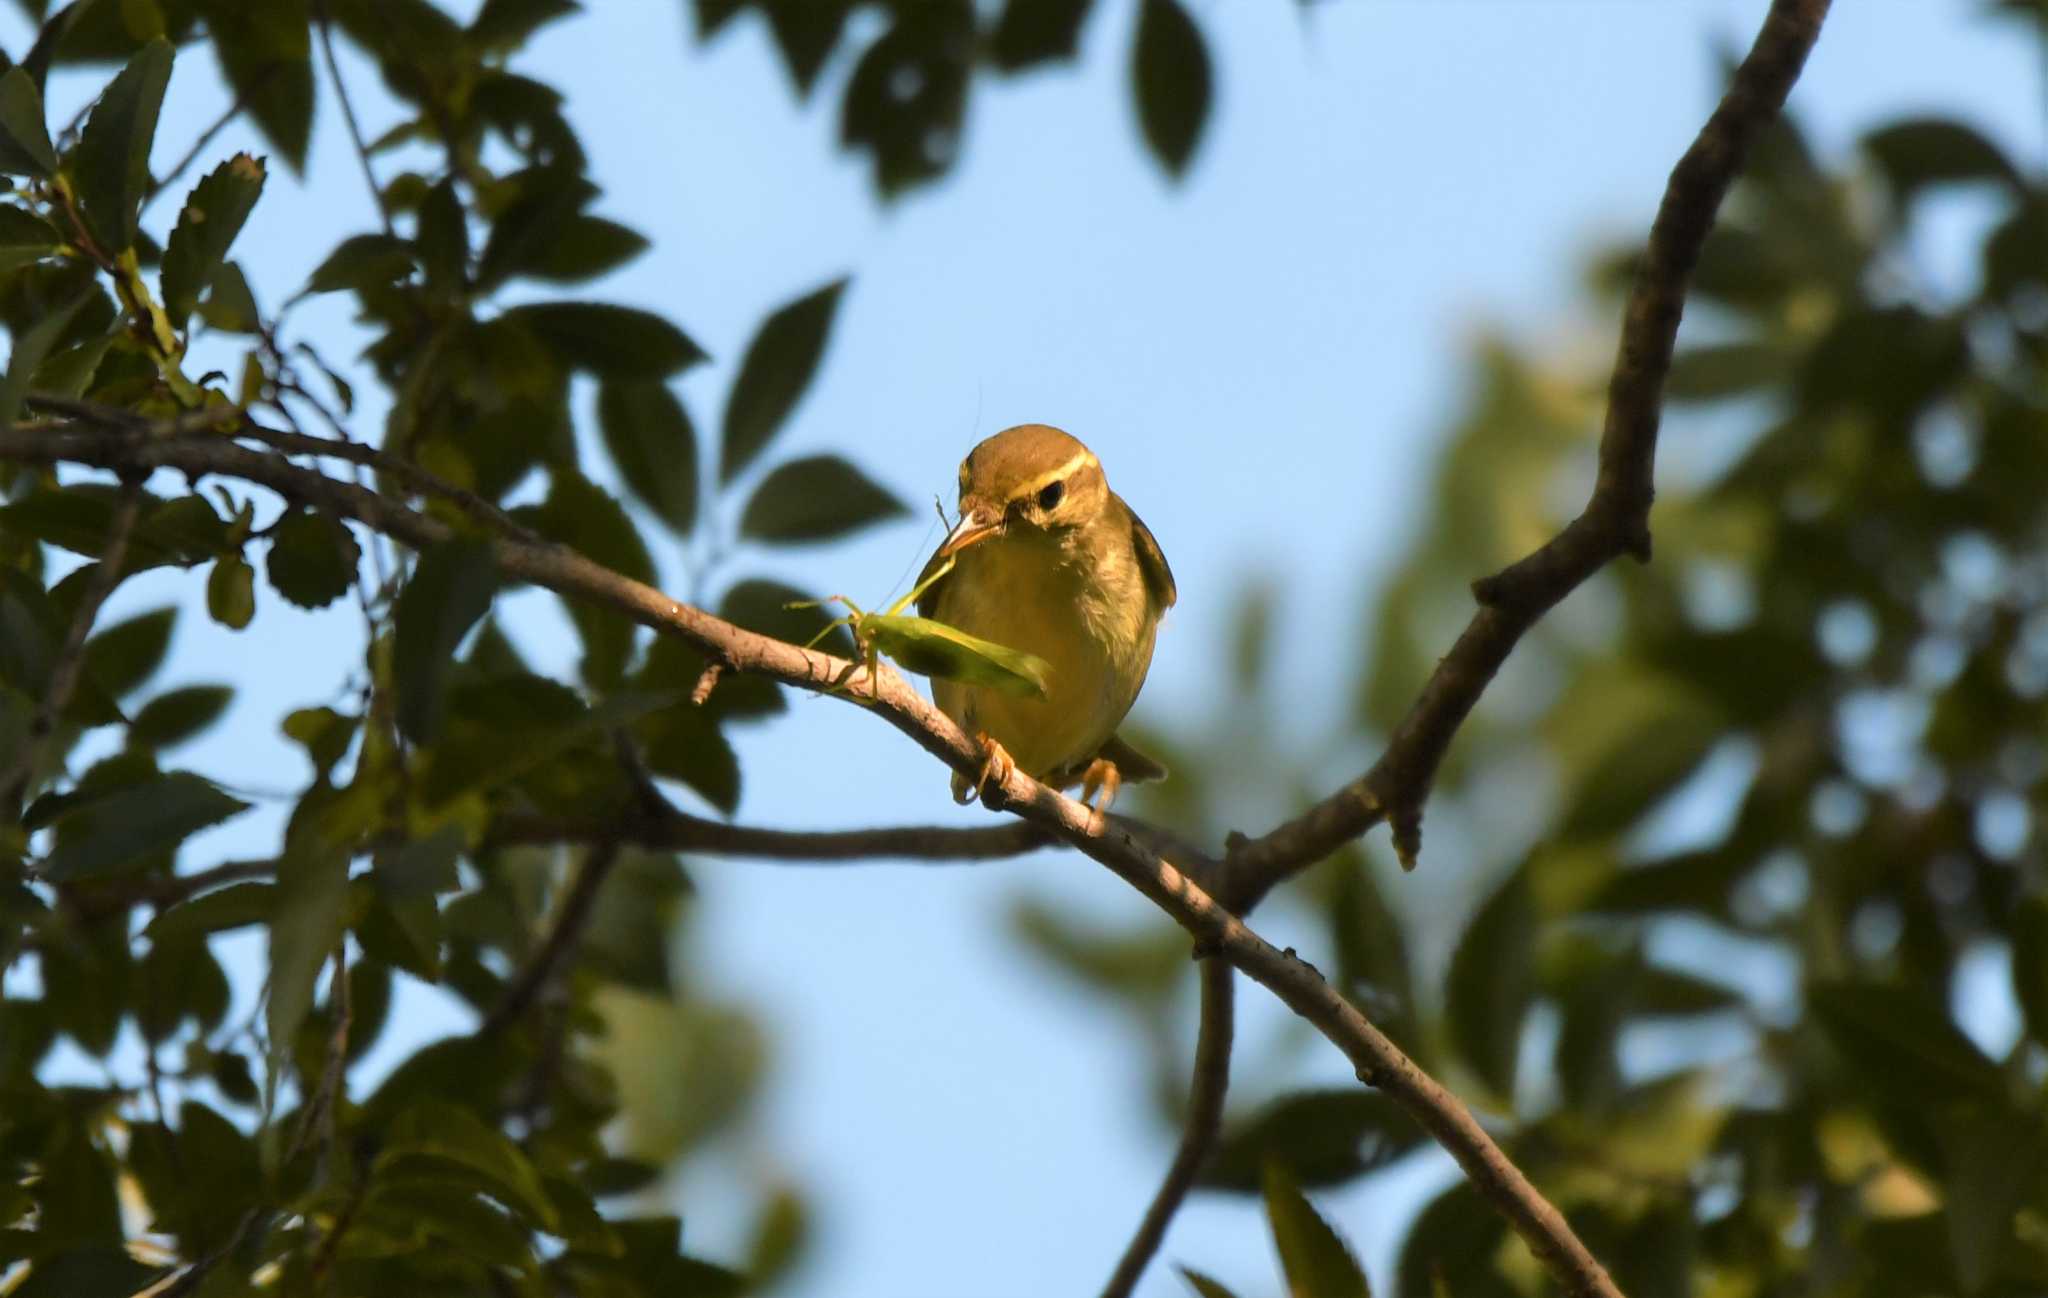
x: 996, y: 765
x: 1101, y: 776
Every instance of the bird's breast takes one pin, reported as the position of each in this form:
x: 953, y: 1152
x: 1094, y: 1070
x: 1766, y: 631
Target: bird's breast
x: 1021, y: 595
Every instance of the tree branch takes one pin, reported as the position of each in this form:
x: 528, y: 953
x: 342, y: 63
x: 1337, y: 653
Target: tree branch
x: 1198, y: 1133
x: 1615, y: 521
x: 677, y: 831
x: 325, y: 24
x: 567, y: 930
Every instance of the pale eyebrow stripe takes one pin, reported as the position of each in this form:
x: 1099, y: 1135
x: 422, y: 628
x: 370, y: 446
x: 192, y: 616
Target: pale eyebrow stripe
x: 1081, y: 460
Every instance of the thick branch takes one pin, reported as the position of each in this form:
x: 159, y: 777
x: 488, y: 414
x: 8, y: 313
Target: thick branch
x: 1616, y: 519
x: 1198, y: 1133
x: 676, y: 831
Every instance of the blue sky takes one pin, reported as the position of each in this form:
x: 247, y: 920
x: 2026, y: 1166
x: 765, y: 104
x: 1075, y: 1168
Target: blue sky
x: 1263, y: 356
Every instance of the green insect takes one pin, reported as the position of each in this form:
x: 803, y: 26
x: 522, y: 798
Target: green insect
x: 932, y: 648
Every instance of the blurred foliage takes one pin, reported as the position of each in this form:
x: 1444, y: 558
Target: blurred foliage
x: 1737, y: 921
x: 244, y: 1152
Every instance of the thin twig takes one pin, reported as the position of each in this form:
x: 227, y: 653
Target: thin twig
x: 70, y: 662
x: 192, y: 154
x: 325, y: 23
x: 567, y: 930
x: 1616, y: 520
x: 1198, y: 1133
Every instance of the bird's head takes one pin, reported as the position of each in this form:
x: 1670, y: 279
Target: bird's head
x: 1029, y: 481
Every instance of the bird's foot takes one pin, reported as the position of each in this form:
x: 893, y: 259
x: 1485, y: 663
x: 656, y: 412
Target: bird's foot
x: 1102, y: 777
x: 996, y: 768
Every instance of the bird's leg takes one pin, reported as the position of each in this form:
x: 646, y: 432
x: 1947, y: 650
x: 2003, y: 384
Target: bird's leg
x: 1102, y: 776
x: 996, y: 766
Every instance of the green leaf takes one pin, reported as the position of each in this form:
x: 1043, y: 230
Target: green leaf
x: 612, y: 342
x: 31, y: 346
x: 435, y: 1132
x: 443, y: 239
x: 1903, y: 1045
x: 1719, y: 370
x: 580, y: 514
x: 450, y: 589
x: 324, y: 733
x: 1924, y: 151
x: 231, y: 592
x: 208, y: 223
x: 1170, y: 76
x: 1316, y: 1261
x: 584, y: 248
x: 236, y: 906
x: 307, y: 919
x: 112, y: 160
x: 1993, y: 1157
x: 363, y: 261
x: 266, y: 52
x: 25, y: 238
x: 817, y: 498
x: 1203, y: 1286
x: 312, y: 560
x: 1319, y: 1137
x: 650, y: 438
x: 1492, y: 982
x: 126, y: 826
x: 685, y: 744
x: 1454, y: 1248
x: 175, y: 716
x: 229, y: 306
x: 2030, y: 961
x: 779, y: 365
x: 128, y: 653
x: 1037, y: 31
x: 24, y: 135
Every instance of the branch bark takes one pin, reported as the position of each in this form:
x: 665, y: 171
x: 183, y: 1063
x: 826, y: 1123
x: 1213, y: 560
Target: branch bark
x: 1615, y: 521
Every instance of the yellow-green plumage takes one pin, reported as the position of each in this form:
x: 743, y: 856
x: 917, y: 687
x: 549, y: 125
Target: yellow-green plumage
x: 1081, y: 584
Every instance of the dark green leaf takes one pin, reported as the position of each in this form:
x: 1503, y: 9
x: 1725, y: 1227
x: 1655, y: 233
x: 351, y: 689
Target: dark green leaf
x: 764, y: 606
x: 436, y: 1132
x: 505, y: 24
x: 443, y: 239
x: 1320, y: 1137
x: 128, y: 653
x: 208, y: 223
x: 579, y: 514
x: 312, y: 559
x: 1993, y: 1157
x: 1036, y: 31
x: 1718, y: 370
x: 236, y: 906
x: 24, y: 136
x: 175, y: 716
x: 817, y: 498
x: 583, y: 248
x: 1170, y: 75
x: 450, y: 589
x: 266, y: 52
x: 612, y: 342
x: 1203, y: 1286
x: 1903, y: 1045
x: 2030, y: 961
x: 229, y: 306
x: 1933, y: 151
x: 112, y: 160
x: 686, y: 745
x: 24, y: 237
x: 231, y: 592
x: 651, y: 440
x: 106, y: 834
x: 307, y: 919
x: 324, y: 733
x: 1454, y: 1248
x: 1317, y: 1263
x: 31, y: 346
x: 779, y: 365
x: 914, y: 136
x: 363, y: 261
x: 1492, y: 982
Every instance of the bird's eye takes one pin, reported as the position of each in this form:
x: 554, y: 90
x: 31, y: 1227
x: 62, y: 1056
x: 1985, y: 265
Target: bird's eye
x: 1049, y: 496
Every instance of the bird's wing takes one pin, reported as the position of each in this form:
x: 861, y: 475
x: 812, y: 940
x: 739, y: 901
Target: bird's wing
x: 1131, y: 764
x: 1152, y: 562
x: 928, y: 603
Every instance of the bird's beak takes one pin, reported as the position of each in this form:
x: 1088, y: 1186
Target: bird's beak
x: 977, y: 523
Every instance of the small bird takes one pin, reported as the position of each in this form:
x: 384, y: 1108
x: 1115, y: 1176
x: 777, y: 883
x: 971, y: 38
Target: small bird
x: 1048, y: 560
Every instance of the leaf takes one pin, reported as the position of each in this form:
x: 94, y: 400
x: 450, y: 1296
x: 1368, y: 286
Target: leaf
x: 128, y: 653
x: 443, y: 239
x: 208, y: 223
x: 25, y: 238
x: 1203, y: 1286
x: 1924, y: 151
x: 612, y: 342
x: 1492, y: 982
x: 112, y: 160
x: 2030, y: 961
x: 778, y: 367
x: 229, y: 306
x: 1718, y: 370
x: 687, y: 745
x: 312, y: 560
x: 231, y: 592
x: 1170, y: 76
x: 912, y: 136
x: 363, y: 261
x: 450, y: 589
x: 1318, y: 1137
x: 582, y: 515
x: 766, y: 606
x: 24, y: 135
x: 1316, y: 1261
x: 324, y: 733
x: 236, y: 906
x: 1454, y: 1248
x: 817, y: 498
x: 1037, y: 31
x: 650, y: 438
x: 175, y: 716
x: 1906, y: 1047
x: 434, y: 1131
x: 30, y: 348
x: 106, y: 834
x: 1993, y: 1157
x: 266, y: 51
x: 307, y: 920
